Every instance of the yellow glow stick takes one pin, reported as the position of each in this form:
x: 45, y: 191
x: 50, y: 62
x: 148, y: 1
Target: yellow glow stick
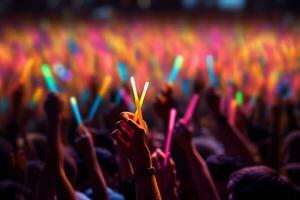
x: 141, y: 99
x: 105, y: 85
x: 26, y: 70
x: 136, y: 100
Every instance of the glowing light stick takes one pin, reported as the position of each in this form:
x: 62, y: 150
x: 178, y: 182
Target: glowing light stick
x: 122, y: 69
x: 26, y: 71
x: 190, y: 109
x: 141, y: 99
x: 99, y: 97
x: 232, y: 112
x: 239, y: 98
x: 136, y: 100
x: 118, y: 97
x: 169, y: 134
x: 4, y: 102
x: 185, y: 86
x: 176, y: 68
x: 210, y: 69
x: 49, y: 78
x: 37, y: 95
x: 75, y: 109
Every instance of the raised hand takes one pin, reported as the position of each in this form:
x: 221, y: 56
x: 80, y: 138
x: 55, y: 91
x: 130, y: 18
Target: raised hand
x: 166, y: 175
x: 84, y: 142
x: 53, y: 106
x: 164, y: 102
x: 132, y: 138
x: 213, y: 101
x: 85, y: 145
x: 183, y: 135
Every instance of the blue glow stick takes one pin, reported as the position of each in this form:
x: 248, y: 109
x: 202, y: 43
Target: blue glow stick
x: 95, y: 106
x: 210, y: 68
x: 122, y: 69
x: 99, y: 97
x: 84, y: 97
x: 118, y: 97
x: 75, y: 109
x: 186, y: 87
x: 176, y: 68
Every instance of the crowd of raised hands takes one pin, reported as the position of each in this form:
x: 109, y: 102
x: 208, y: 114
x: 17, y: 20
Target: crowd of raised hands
x: 256, y: 157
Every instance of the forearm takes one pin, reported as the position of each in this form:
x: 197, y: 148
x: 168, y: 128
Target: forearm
x: 97, y: 179
x: 126, y: 171
x: 46, y: 186
x: 147, y: 189
x: 200, y: 175
x: 65, y: 190
x: 235, y: 142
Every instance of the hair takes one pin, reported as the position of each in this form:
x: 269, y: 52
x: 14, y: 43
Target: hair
x: 291, y: 147
x: 222, y: 166
x: 6, y: 151
x: 293, y: 172
x: 13, y: 190
x: 260, y: 183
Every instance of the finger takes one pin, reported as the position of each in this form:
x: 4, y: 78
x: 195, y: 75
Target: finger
x: 155, y: 161
x: 116, y: 134
x: 135, y: 126
x: 79, y: 139
x: 127, y: 115
x: 160, y: 156
x: 81, y: 130
x: 125, y: 130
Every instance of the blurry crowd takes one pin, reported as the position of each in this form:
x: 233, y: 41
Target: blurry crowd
x: 242, y: 142
x: 49, y: 156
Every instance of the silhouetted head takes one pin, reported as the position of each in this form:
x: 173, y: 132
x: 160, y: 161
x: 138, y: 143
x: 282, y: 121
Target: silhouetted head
x: 221, y: 167
x: 260, y: 183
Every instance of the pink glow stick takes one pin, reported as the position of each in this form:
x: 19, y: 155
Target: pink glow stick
x: 170, y: 133
x: 190, y: 109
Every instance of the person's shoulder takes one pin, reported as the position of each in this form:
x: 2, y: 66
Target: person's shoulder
x: 114, y: 195
x: 82, y: 196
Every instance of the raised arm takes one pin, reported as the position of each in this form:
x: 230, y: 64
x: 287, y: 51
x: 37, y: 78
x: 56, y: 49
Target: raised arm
x: 200, y: 174
x: 132, y: 138
x: 85, y: 145
x: 235, y: 143
x: 53, y: 180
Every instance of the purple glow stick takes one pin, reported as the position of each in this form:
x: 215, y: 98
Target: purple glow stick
x: 190, y: 109
x: 170, y: 133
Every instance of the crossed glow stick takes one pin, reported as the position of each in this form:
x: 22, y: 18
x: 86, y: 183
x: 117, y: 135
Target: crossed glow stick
x: 138, y: 102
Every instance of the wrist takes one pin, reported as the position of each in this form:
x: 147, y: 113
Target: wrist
x: 90, y: 158
x: 189, y: 149
x: 140, y: 163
